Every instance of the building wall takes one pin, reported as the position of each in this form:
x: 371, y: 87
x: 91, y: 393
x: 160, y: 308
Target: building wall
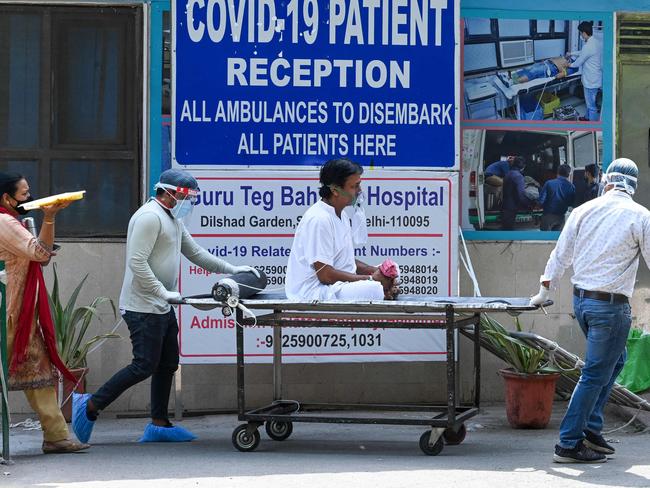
x: 502, y: 269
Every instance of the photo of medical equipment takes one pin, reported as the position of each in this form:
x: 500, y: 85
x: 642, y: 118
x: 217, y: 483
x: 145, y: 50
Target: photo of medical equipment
x: 521, y: 69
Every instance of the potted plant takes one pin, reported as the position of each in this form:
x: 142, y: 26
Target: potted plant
x: 71, y: 325
x: 530, y: 381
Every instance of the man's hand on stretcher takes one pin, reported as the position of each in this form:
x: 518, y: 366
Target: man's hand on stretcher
x: 391, y: 290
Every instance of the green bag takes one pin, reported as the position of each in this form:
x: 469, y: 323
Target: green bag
x: 635, y: 375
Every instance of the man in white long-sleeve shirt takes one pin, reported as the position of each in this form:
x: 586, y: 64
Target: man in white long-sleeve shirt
x: 602, y: 240
x: 156, y: 238
x: 590, y: 59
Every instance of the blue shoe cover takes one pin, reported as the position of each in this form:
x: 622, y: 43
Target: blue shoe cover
x: 81, y: 425
x: 155, y: 433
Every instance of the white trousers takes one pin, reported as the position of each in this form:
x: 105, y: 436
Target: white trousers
x: 359, y: 290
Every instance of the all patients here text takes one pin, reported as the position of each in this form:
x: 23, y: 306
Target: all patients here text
x: 345, y: 22
x: 313, y: 112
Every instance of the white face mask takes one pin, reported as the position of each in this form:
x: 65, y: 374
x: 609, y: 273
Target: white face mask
x: 182, y: 209
x: 357, y: 216
x: 618, y: 181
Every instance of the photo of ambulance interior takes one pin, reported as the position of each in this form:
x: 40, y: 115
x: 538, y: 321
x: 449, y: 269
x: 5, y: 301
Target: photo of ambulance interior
x: 520, y: 69
x: 543, y: 152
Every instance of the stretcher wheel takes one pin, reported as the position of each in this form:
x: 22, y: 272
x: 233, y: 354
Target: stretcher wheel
x: 278, y: 430
x: 454, y: 437
x: 244, y: 441
x: 428, y: 449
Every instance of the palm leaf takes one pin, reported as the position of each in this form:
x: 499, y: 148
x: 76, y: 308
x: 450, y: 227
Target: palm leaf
x: 523, y: 357
x: 71, y: 323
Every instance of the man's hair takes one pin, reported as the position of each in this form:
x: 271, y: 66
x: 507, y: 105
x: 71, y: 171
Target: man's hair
x: 564, y: 170
x: 591, y: 169
x: 334, y: 173
x: 587, y: 27
x: 9, y: 183
x: 518, y: 162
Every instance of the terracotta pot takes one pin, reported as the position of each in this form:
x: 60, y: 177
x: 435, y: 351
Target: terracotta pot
x: 529, y: 398
x: 65, y: 391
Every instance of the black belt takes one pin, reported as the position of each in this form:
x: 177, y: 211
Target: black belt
x: 600, y: 295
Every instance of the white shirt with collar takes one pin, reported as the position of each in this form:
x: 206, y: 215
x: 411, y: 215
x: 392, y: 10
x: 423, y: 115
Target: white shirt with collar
x: 590, y: 58
x: 324, y: 237
x: 602, y: 240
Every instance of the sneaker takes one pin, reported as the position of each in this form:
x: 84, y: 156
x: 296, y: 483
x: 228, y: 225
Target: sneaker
x: 597, y: 442
x: 579, y: 454
x: 81, y: 424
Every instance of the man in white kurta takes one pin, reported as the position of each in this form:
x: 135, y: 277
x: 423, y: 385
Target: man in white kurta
x: 322, y: 265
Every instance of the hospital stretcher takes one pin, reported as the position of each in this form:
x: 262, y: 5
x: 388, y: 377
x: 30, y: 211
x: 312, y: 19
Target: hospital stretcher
x: 513, y: 91
x: 445, y: 422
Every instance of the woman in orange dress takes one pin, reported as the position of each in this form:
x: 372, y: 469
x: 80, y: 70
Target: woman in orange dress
x: 31, y: 345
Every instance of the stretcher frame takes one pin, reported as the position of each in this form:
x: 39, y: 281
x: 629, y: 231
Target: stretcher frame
x: 533, y: 86
x: 445, y: 420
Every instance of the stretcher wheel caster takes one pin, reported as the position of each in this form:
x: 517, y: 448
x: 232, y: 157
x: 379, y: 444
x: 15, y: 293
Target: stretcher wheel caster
x: 454, y: 437
x: 428, y: 449
x: 278, y: 430
x: 245, y: 441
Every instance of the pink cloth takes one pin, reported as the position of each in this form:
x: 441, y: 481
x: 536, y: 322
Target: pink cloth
x: 389, y: 269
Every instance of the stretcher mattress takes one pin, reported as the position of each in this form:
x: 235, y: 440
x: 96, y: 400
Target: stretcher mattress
x: 405, y: 303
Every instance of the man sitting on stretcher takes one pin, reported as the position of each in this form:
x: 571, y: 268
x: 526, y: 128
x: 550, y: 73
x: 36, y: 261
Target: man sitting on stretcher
x: 321, y: 264
x: 552, y: 67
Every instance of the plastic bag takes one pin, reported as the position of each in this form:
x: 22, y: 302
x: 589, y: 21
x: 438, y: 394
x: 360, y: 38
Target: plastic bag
x: 635, y: 375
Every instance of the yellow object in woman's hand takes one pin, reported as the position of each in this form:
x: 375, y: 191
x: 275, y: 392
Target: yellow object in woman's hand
x: 54, y: 199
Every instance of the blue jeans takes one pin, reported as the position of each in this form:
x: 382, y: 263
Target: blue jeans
x: 155, y: 353
x: 590, y: 101
x: 606, y: 326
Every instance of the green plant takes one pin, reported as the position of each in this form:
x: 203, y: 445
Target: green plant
x: 71, y: 324
x: 521, y: 356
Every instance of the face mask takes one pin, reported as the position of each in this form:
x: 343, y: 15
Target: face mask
x: 182, y: 209
x: 355, y: 198
x: 21, y: 210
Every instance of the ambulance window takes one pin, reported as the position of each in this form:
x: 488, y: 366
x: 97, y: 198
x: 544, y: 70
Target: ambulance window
x: 584, y: 152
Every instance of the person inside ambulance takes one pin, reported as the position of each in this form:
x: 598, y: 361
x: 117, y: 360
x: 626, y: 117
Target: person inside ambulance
x: 494, y: 175
x: 515, y: 197
x: 558, y: 67
x: 322, y: 265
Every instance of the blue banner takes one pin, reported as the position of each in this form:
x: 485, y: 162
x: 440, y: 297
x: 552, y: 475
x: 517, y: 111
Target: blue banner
x: 297, y: 82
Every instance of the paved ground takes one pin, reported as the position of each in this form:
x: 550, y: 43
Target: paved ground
x: 321, y: 455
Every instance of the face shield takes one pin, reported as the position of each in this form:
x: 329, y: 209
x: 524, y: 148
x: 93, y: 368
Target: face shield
x: 185, y: 199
